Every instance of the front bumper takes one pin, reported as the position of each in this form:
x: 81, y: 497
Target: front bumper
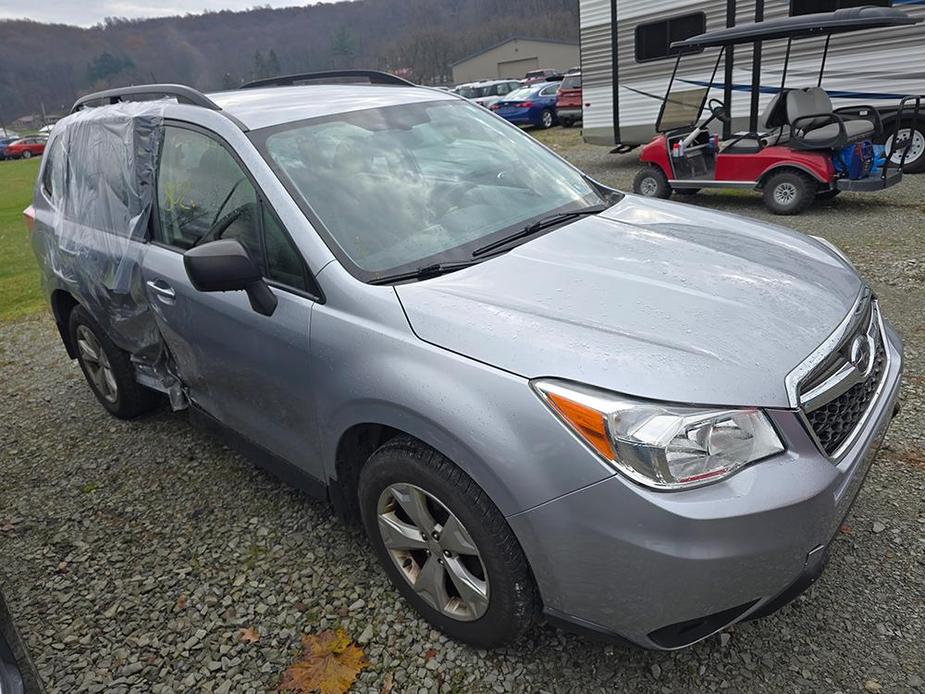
x: 666, y: 569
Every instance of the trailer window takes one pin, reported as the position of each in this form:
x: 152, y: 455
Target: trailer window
x: 799, y: 7
x: 653, y: 40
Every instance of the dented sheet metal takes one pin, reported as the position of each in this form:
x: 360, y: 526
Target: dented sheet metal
x: 100, y: 179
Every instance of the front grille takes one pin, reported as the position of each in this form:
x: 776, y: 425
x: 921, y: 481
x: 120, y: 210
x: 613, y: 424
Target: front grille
x: 834, y: 420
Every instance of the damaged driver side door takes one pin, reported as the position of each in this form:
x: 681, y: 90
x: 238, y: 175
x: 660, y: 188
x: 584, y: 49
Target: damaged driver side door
x: 245, y: 369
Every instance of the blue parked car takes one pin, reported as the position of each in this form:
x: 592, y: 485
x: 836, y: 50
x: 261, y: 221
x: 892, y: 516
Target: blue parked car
x: 533, y: 105
x: 4, y: 141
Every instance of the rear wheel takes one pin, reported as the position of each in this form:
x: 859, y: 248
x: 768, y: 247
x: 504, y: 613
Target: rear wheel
x: 547, y: 119
x: 27, y: 154
x: 445, y: 546
x: 566, y: 122
x: 108, y: 369
x: 652, y: 182
x: 789, y: 192
x: 915, y: 157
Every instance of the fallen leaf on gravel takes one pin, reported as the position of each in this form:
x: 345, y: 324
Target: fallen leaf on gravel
x: 181, y: 602
x: 329, y: 664
x: 430, y: 653
x: 250, y: 635
x: 845, y: 529
x: 387, y: 683
x: 872, y: 686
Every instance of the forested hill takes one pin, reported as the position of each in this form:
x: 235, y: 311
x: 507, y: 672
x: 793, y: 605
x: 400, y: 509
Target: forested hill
x: 51, y: 64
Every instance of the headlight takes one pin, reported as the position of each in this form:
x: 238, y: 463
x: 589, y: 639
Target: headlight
x: 660, y: 445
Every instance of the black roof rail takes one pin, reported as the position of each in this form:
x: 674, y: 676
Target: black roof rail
x: 181, y: 92
x: 330, y: 76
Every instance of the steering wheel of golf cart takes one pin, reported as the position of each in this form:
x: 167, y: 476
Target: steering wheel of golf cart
x: 718, y: 109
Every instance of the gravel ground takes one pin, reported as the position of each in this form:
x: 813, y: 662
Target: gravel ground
x: 134, y: 552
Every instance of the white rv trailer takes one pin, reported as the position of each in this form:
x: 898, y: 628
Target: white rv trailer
x: 623, y: 89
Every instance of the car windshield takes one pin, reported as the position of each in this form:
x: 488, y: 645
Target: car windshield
x: 401, y: 187
x: 473, y: 92
x: 522, y: 93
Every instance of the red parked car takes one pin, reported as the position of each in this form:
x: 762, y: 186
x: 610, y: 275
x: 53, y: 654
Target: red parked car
x: 568, y: 100
x: 26, y: 148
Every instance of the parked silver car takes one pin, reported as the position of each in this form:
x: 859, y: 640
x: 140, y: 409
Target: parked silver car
x: 540, y: 396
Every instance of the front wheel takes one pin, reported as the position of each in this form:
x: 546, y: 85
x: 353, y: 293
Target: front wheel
x: 27, y: 154
x: 652, y: 182
x: 789, y: 192
x: 547, y: 119
x: 445, y: 546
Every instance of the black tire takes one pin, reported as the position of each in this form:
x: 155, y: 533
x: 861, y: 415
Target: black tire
x: 686, y: 192
x: 513, y: 601
x: 652, y: 182
x: 129, y: 399
x: 547, y: 119
x: 566, y: 123
x: 789, y: 192
x: 827, y: 194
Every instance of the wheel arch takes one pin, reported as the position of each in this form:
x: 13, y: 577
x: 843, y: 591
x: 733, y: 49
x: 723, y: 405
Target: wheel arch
x: 790, y: 166
x: 62, y: 303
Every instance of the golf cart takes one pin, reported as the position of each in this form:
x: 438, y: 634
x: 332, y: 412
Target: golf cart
x: 804, y: 148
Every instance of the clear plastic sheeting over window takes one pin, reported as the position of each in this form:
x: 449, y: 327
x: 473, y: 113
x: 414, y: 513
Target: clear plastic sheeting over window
x: 99, y: 179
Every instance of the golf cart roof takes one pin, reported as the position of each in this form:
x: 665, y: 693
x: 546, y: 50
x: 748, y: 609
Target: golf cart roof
x: 802, y: 26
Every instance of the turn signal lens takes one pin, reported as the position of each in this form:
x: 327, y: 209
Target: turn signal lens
x: 660, y: 445
x: 586, y: 421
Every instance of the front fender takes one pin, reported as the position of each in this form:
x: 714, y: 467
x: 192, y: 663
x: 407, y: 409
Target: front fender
x: 487, y: 421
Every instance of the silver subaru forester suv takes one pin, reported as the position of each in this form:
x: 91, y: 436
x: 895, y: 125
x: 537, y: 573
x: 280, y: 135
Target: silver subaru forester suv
x: 539, y: 396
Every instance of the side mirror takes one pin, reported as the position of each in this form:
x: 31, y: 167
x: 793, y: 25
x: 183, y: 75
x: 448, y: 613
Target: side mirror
x: 224, y: 266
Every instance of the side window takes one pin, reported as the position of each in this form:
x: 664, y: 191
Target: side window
x: 203, y: 195
x: 52, y: 181
x: 550, y: 90
x: 284, y: 263
x: 653, y: 40
x: 200, y: 187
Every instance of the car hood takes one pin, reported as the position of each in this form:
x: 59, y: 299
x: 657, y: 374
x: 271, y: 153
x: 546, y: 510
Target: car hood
x: 650, y: 298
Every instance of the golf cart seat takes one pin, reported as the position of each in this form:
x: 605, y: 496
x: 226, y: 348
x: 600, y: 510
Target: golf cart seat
x: 775, y: 130
x: 815, y: 124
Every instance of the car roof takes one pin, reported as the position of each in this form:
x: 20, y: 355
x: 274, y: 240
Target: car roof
x: 263, y: 107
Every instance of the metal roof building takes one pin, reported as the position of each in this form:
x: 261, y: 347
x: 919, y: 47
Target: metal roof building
x: 513, y: 57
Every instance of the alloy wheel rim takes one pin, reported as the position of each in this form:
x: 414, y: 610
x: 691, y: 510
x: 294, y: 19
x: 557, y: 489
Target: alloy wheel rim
x: 785, y: 193
x: 916, y: 147
x: 433, y: 551
x: 547, y: 119
x: 648, y: 186
x: 97, y: 365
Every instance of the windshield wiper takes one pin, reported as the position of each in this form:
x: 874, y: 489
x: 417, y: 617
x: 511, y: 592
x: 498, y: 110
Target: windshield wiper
x: 538, y: 225
x: 423, y: 272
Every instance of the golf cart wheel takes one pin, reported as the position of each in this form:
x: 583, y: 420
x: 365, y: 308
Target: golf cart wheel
x: 652, y: 182
x: 445, y: 546
x: 827, y: 194
x: 915, y: 157
x: 26, y: 155
x: 108, y: 369
x: 789, y: 192
x: 685, y: 191
x: 547, y: 119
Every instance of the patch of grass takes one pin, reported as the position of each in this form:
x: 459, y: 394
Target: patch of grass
x: 20, y: 291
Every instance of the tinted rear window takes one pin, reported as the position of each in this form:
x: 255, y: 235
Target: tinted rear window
x: 571, y: 82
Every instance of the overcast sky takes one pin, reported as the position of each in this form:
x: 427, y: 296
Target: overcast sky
x: 90, y: 12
